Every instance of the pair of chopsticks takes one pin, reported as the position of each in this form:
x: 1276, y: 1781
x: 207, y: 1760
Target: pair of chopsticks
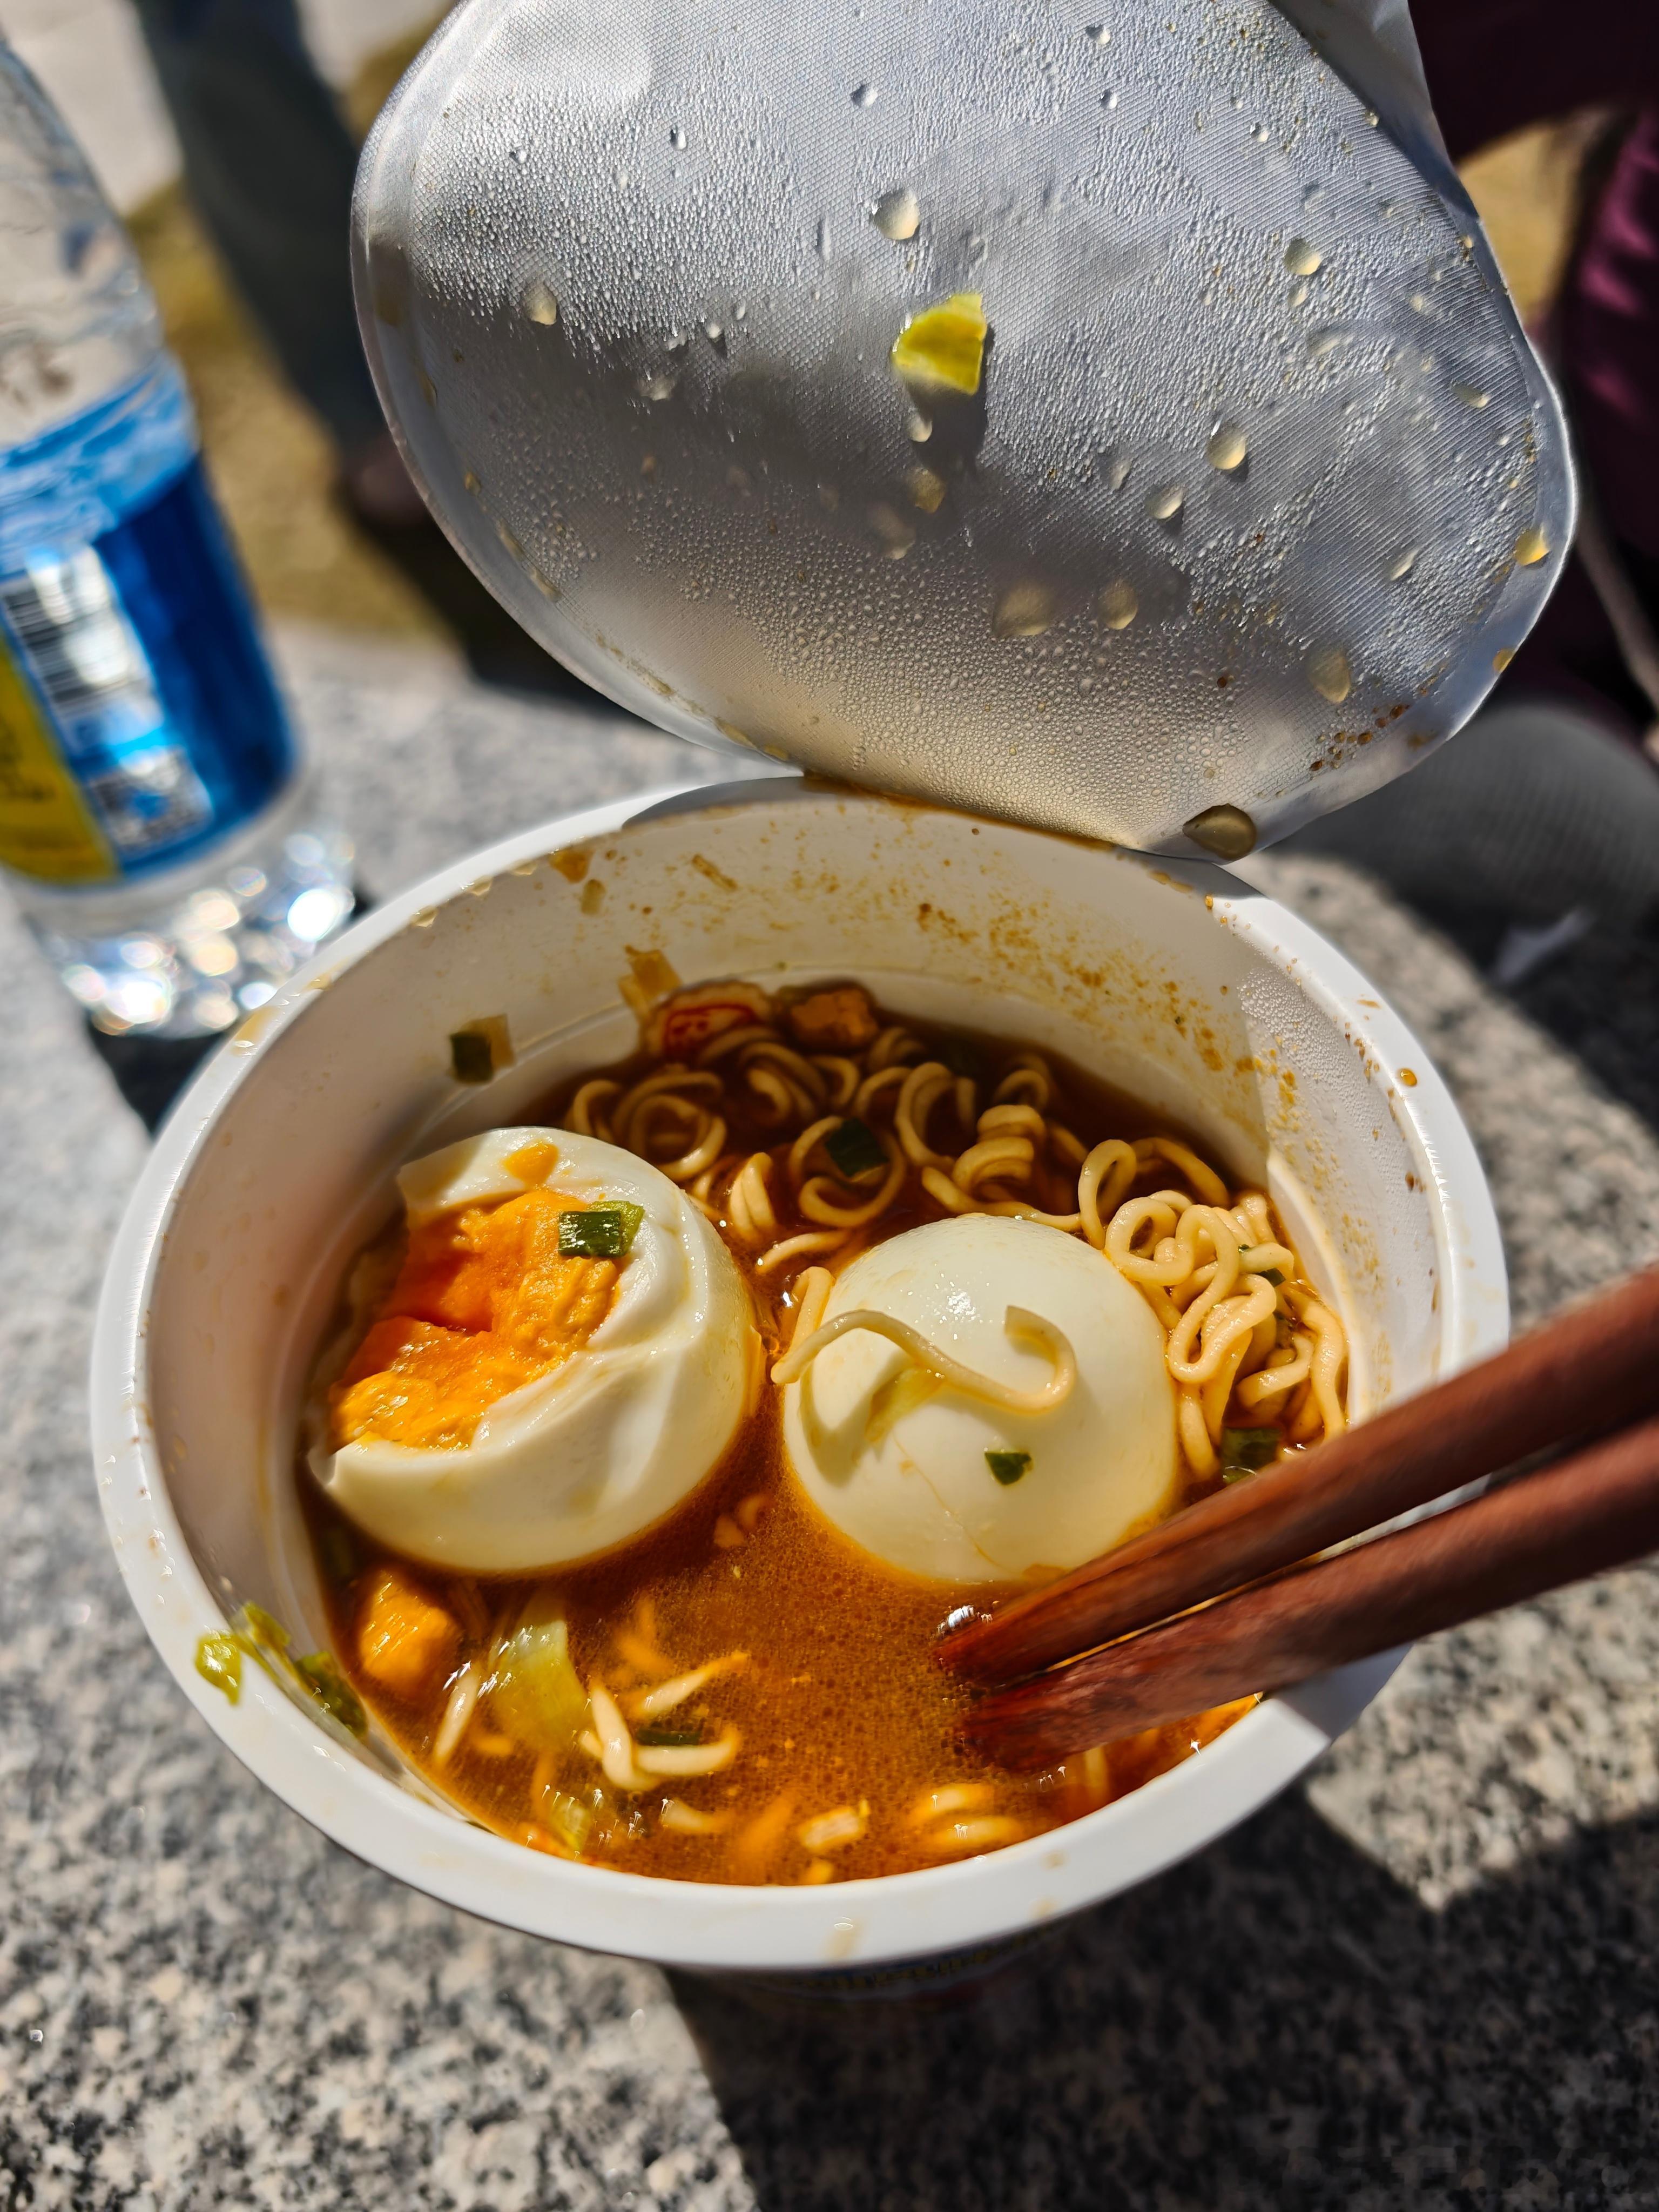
x: 1149, y: 1657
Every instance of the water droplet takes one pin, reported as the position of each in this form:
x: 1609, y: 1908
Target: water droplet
x: 1298, y: 296
x: 865, y: 95
x: 1502, y: 658
x: 1530, y: 547
x: 1098, y: 34
x: 1227, y: 447
x: 538, y: 303
x: 716, y: 334
x: 896, y: 535
x: 1402, y: 564
x: 1330, y: 672
x: 828, y: 498
x: 1226, y: 832
x: 927, y: 489
x: 677, y: 139
x: 918, y: 426
x: 1115, y: 467
x: 1023, y: 610
x: 659, y: 386
x: 1108, y: 98
x: 1118, y: 605
x: 897, y: 214
x: 1166, y: 502
x: 1301, y: 258
x: 1259, y: 132
x: 1321, y: 342
x: 1472, y: 395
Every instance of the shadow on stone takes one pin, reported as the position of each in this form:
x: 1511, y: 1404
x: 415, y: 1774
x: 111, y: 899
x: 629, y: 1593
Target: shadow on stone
x: 1277, y: 2023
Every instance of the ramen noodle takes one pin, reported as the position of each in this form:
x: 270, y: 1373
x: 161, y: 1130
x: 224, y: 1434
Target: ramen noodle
x: 659, y: 1438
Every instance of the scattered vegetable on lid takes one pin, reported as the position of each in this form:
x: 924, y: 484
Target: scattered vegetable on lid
x: 943, y: 347
x: 856, y: 1149
x: 1008, y: 1466
x: 600, y: 1232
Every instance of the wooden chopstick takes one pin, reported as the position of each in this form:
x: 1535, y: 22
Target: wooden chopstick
x: 1598, y: 1509
x: 1585, y: 1372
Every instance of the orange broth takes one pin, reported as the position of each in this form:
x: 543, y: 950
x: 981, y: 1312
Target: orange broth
x: 839, y: 1703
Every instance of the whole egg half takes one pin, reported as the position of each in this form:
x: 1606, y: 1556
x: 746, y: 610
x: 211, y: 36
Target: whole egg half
x: 945, y: 1483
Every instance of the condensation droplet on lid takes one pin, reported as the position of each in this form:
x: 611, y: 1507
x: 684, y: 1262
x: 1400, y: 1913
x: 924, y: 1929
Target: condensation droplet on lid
x: 897, y: 536
x: 1118, y: 605
x: 1110, y: 99
x: 1530, y: 547
x: 1330, y: 672
x: 1502, y: 658
x: 927, y: 489
x: 1226, y: 832
x: 1259, y: 132
x: 897, y: 214
x: 865, y: 95
x: 1402, y: 564
x: 1472, y: 395
x: 1164, y: 504
x: 716, y: 334
x: 1023, y: 610
x: 1299, y: 295
x: 1098, y: 34
x: 1303, y: 259
x: 677, y: 138
x: 918, y: 426
x: 1323, y: 343
x: 1115, y: 467
x: 659, y: 386
x: 1228, y: 446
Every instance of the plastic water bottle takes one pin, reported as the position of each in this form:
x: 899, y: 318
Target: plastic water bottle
x: 156, y: 826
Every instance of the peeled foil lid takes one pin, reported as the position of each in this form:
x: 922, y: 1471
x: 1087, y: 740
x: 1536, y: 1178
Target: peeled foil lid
x: 1261, y: 484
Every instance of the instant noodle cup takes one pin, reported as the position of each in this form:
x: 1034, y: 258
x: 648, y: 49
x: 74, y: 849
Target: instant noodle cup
x: 444, y: 1014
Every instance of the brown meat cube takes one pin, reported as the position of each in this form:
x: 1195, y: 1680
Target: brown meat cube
x: 405, y: 1643
x: 842, y: 1020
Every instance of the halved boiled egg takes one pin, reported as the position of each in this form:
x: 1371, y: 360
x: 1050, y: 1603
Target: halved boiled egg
x: 983, y: 1399
x: 566, y: 1350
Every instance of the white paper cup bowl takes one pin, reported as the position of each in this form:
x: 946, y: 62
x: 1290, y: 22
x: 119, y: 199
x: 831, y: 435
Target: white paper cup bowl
x: 1176, y: 982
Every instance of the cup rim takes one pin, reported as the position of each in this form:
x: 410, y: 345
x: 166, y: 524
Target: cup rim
x: 836, y: 1928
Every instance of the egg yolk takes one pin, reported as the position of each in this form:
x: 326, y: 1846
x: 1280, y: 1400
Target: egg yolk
x: 483, y: 1304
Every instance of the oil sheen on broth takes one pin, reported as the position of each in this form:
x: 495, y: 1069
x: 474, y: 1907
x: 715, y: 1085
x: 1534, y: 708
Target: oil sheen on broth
x: 659, y: 1438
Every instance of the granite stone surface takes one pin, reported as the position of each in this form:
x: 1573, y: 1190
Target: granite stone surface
x: 1427, y: 1978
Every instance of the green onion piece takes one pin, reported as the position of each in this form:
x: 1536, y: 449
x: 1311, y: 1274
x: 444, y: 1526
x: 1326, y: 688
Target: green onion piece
x: 535, y: 1690
x: 856, y: 1149
x: 569, y: 1817
x: 600, y: 1232
x: 260, y: 1627
x: 1008, y: 1466
x: 1245, y: 1451
x: 320, y: 1673
x: 219, y: 1660
x: 1269, y: 1275
x: 668, y: 1739
x: 339, y: 1552
x: 471, y: 1058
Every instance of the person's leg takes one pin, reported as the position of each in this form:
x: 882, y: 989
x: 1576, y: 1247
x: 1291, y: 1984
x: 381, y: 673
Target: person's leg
x: 268, y: 166
x: 1494, y: 67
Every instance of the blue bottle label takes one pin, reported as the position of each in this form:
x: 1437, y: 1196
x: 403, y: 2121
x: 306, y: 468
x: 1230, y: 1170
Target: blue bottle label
x: 139, y: 719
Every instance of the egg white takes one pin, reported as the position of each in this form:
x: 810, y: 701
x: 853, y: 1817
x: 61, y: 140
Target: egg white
x: 580, y: 1460
x: 898, y: 1464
